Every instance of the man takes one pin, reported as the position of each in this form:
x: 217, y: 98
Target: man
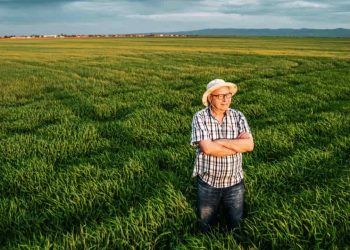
x: 221, y: 135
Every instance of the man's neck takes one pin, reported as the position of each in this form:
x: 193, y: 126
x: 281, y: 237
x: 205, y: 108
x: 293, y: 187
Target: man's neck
x: 219, y: 114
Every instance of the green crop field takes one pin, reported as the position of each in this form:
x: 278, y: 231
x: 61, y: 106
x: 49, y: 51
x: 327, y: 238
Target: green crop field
x: 95, y: 153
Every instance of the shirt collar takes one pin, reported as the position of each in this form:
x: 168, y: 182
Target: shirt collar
x: 211, y: 115
x: 210, y: 111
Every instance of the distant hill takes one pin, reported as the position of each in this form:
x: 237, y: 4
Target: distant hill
x: 270, y: 32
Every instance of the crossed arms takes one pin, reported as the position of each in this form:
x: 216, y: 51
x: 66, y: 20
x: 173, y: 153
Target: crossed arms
x: 224, y: 147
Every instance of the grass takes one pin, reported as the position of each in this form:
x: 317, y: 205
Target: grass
x: 95, y: 150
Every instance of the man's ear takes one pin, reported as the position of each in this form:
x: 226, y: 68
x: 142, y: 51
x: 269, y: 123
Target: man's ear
x: 209, y: 99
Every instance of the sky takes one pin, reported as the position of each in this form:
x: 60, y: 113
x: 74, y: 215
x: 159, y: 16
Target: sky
x: 27, y: 17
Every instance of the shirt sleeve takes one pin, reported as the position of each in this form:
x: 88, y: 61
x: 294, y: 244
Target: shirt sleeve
x: 199, y: 130
x: 243, y: 124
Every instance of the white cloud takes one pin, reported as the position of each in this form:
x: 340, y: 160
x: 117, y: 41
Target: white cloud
x: 342, y: 13
x: 305, y: 4
x: 220, y: 3
x: 200, y: 20
x: 102, y: 6
x: 188, y: 15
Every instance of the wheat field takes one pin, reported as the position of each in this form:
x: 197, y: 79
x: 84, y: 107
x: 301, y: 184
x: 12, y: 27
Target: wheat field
x: 95, y: 153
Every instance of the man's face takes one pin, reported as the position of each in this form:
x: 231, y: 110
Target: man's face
x: 220, y: 99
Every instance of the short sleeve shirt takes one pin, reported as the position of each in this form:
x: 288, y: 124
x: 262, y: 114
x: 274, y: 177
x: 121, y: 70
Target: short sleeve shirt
x: 223, y: 171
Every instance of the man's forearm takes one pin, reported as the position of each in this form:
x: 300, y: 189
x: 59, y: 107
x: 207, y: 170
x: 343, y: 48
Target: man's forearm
x: 238, y: 145
x: 220, y: 150
x: 216, y: 149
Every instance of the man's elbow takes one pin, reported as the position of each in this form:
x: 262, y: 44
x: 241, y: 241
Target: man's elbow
x: 205, y: 147
x: 250, y: 147
x: 206, y: 150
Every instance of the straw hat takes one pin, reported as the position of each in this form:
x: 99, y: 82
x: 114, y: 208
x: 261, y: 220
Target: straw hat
x: 216, y: 84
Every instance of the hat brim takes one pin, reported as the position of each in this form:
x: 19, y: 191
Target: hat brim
x: 232, y: 87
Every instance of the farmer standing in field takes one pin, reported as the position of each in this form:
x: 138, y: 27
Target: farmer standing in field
x: 221, y: 135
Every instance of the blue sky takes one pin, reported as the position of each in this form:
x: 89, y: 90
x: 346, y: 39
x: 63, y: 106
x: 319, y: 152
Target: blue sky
x: 140, y: 16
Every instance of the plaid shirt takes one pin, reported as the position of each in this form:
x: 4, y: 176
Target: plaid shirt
x: 223, y: 171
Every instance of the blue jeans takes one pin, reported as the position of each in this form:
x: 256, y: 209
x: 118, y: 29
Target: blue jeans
x: 210, y: 200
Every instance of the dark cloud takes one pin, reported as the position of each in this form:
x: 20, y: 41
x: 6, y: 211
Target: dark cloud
x: 22, y: 4
x: 289, y: 8
x: 162, y: 15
